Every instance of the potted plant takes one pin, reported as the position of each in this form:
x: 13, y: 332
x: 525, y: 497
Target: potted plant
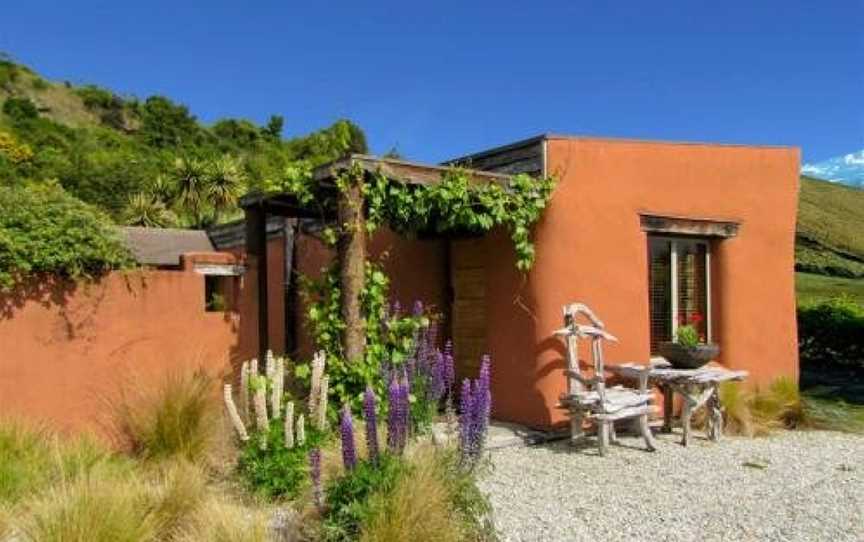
x: 689, y: 350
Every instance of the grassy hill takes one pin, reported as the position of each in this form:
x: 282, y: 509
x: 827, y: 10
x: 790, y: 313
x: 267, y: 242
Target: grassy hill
x: 829, y: 251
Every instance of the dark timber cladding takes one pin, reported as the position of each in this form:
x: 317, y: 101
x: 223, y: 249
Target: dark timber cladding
x: 347, y: 208
x: 525, y: 156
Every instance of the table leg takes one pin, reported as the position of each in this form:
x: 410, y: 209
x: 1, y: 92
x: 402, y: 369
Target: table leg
x: 715, y: 415
x: 686, y: 414
x: 667, y: 409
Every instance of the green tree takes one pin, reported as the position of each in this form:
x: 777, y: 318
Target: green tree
x: 166, y: 124
x: 275, y: 125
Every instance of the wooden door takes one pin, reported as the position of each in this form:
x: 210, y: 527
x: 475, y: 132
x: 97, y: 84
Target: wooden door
x: 468, y: 316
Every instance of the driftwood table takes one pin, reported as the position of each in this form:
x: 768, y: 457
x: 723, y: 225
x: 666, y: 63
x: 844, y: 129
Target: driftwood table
x: 697, y: 388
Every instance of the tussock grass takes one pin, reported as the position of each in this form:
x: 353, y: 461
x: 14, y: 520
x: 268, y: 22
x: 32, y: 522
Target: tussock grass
x: 782, y: 406
x: 95, y: 508
x: 178, y: 419
x: 32, y: 457
x: 25, y: 460
x: 220, y: 521
x: 432, y: 501
x: 417, y: 509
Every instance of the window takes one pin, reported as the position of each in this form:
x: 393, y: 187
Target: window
x: 218, y: 293
x: 679, y: 283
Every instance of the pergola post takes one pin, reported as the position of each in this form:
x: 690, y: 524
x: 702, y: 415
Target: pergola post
x: 256, y: 247
x: 352, y: 264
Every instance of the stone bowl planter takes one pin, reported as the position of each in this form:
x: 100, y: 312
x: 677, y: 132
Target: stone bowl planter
x: 689, y: 357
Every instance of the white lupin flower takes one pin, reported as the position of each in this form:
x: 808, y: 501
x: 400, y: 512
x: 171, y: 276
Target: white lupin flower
x: 301, y: 430
x: 276, y: 390
x: 244, y: 390
x: 289, y: 424
x: 233, y: 414
x: 261, y: 409
x: 321, y: 412
x: 315, y: 385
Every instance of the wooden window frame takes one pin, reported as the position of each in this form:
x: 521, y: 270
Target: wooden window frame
x: 673, y: 279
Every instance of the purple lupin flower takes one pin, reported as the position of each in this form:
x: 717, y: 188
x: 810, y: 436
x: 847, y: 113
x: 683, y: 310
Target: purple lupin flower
x: 484, y: 382
x: 439, y: 379
x: 482, y: 404
x: 404, y: 413
x: 346, y: 429
x: 432, y: 337
x: 449, y: 369
x: 369, y: 416
x: 393, y: 394
x: 466, y: 420
x: 315, y: 475
x: 396, y: 313
x: 418, y: 308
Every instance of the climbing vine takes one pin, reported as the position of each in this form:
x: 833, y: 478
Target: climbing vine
x: 390, y: 334
x: 455, y: 205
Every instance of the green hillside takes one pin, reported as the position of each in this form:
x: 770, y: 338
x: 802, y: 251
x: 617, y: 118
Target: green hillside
x: 830, y: 236
x: 829, y: 252
x: 147, y: 160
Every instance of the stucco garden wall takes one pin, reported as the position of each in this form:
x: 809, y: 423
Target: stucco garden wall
x: 67, y: 349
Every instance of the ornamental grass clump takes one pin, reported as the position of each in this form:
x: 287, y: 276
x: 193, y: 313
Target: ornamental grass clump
x: 177, y: 419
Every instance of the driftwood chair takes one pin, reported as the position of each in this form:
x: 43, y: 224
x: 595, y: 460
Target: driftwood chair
x: 588, y: 399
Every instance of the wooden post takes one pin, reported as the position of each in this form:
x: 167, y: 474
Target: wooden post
x: 352, y: 263
x: 256, y: 248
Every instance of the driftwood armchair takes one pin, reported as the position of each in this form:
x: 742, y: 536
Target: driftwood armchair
x: 588, y: 398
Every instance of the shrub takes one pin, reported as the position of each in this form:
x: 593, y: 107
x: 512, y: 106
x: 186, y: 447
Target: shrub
x: 829, y: 334
x: 178, y: 419
x: 20, y: 109
x: 277, y: 471
x: 45, y: 230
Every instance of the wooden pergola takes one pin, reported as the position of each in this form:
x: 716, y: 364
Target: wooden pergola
x: 346, y: 208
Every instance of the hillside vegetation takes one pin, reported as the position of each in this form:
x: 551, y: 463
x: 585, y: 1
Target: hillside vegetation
x: 147, y: 161
x: 830, y: 233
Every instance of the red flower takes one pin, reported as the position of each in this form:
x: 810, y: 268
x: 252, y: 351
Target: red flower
x: 696, y: 318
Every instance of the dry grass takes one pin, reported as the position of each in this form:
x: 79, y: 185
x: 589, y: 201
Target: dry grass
x: 96, y: 508
x: 220, y: 521
x: 178, y: 419
x: 419, y: 508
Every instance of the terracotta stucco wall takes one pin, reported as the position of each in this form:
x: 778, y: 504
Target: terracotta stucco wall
x: 65, y: 351
x: 590, y: 248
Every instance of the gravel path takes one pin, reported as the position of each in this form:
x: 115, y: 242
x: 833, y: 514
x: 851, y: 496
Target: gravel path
x: 791, y: 486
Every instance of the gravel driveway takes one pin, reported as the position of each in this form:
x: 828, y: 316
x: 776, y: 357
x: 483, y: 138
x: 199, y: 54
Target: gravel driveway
x: 791, y: 486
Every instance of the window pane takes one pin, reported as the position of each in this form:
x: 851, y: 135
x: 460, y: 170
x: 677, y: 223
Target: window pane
x: 660, y: 291
x: 692, y: 291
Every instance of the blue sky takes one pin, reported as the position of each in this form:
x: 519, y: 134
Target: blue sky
x: 440, y: 79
